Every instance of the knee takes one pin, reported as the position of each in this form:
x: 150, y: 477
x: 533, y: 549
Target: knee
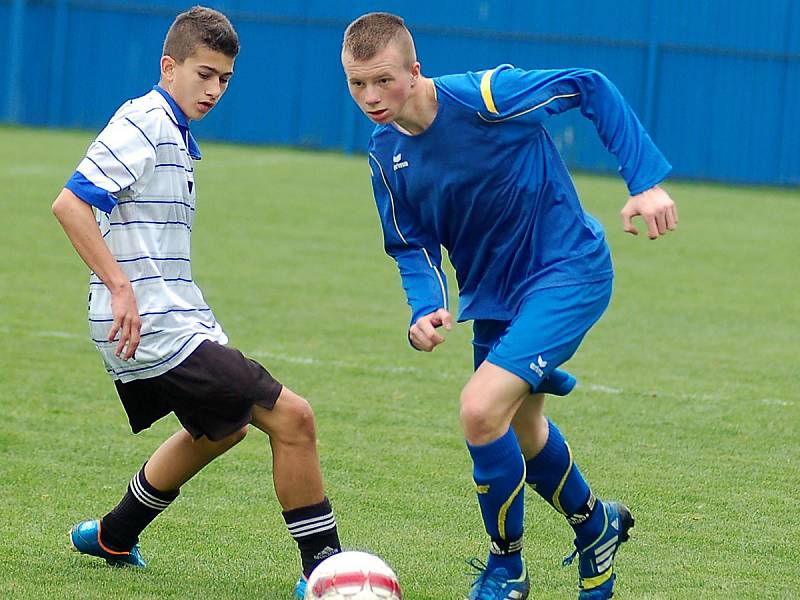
x: 297, y: 424
x: 238, y: 435
x: 476, y: 418
x: 234, y: 438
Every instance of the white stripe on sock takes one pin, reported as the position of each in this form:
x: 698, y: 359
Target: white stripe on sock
x: 313, y: 529
x: 145, y: 497
x: 326, y: 522
x: 297, y: 536
x: 309, y: 521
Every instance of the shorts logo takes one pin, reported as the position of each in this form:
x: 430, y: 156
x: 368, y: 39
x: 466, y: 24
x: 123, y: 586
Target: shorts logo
x: 537, y: 366
x: 398, y: 161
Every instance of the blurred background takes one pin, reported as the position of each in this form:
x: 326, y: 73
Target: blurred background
x: 714, y: 81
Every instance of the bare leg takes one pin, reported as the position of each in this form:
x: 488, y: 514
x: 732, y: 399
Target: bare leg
x: 295, y: 463
x: 489, y: 402
x: 180, y: 457
x: 530, y: 425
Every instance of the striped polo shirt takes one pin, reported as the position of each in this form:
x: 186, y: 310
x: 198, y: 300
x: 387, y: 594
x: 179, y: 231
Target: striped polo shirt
x: 138, y: 174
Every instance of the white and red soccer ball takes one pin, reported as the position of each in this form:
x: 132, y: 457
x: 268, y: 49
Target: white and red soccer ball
x: 353, y: 576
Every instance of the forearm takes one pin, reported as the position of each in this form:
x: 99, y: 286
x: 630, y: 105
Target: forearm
x: 423, y: 282
x: 77, y: 219
x: 641, y: 163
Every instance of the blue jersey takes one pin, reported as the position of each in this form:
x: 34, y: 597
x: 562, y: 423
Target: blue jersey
x: 486, y: 182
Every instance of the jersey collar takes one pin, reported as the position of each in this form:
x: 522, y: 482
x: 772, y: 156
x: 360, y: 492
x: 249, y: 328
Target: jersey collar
x: 180, y: 120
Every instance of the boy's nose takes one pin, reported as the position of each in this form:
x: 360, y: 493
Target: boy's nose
x: 214, y: 89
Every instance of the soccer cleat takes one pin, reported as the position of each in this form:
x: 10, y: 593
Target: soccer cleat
x: 596, y: 563
x: 496, y: 584
x: 85, y: 538
x: 300, y: 588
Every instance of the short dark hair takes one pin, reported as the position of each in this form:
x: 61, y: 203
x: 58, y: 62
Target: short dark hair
x: 371, y: 33
x: 200, y: 26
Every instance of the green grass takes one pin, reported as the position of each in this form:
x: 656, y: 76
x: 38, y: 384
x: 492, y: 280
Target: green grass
x: 688, y: 405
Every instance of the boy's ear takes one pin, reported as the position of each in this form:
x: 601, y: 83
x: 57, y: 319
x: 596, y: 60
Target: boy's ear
x: 167, y: 67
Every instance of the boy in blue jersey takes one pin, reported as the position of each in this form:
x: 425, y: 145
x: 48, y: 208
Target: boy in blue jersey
x: 464, y: 162
x: 158, y: 338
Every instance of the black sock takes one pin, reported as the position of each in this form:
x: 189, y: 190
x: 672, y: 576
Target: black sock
x: 314, y: 529
x: 141, y: 504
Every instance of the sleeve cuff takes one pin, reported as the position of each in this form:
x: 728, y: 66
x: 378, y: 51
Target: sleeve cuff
x: 90, y: 193
x: 638, y: 187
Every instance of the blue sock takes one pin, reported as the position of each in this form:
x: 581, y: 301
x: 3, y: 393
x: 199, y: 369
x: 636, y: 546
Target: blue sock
x: 557, y: 479
x: 499, y: 474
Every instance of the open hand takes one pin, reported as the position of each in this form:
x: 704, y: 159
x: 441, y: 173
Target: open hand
x: 656, y: 208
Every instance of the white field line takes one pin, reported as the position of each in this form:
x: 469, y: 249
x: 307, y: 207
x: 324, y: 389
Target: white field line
x: 34, y: 170
x: 341, y: 364
x: 47, y: 170
x: 776, y: 402
x: 60, y: 334
x: 459, y: 375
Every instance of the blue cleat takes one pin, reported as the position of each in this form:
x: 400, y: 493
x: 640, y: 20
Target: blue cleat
x: 596, y: 563
x: 85, y: 538
x: 496, y: 584
x: 300, y: 588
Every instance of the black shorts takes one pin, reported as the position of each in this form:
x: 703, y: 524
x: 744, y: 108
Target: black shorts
x: 212, y: 393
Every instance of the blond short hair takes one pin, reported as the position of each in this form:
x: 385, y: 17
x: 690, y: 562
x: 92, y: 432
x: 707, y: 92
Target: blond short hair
x: 371, y: 33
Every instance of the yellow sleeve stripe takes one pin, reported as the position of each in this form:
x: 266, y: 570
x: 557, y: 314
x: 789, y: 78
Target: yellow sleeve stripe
x: 486, y: 92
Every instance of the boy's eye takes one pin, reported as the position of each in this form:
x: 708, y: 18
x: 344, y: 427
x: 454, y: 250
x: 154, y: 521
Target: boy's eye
x: 203, y: 75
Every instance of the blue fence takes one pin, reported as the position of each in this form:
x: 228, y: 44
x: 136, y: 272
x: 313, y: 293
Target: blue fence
x: 714, y: 81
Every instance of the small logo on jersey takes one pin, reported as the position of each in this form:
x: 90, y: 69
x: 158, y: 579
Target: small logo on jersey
x: 537, y: 366
x: 398, y: 161
x: 191, y: 185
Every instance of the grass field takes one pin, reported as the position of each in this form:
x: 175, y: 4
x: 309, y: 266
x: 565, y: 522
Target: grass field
x: 688, y: 405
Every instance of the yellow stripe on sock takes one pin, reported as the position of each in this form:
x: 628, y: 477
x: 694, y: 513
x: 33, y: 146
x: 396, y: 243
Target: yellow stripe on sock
x: 501, y: 517
x: 557, y: 493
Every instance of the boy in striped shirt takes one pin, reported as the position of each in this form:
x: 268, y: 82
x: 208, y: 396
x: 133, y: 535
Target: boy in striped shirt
x: 158, y: 338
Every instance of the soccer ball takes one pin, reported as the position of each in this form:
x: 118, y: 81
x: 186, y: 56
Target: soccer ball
x: 353, y: 576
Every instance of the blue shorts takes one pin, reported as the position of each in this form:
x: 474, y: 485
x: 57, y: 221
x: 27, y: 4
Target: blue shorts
x: 546, y: 331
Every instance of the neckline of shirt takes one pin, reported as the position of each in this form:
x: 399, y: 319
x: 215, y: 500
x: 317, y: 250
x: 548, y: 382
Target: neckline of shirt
x: 436, y: 118
x: 181, y: 122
